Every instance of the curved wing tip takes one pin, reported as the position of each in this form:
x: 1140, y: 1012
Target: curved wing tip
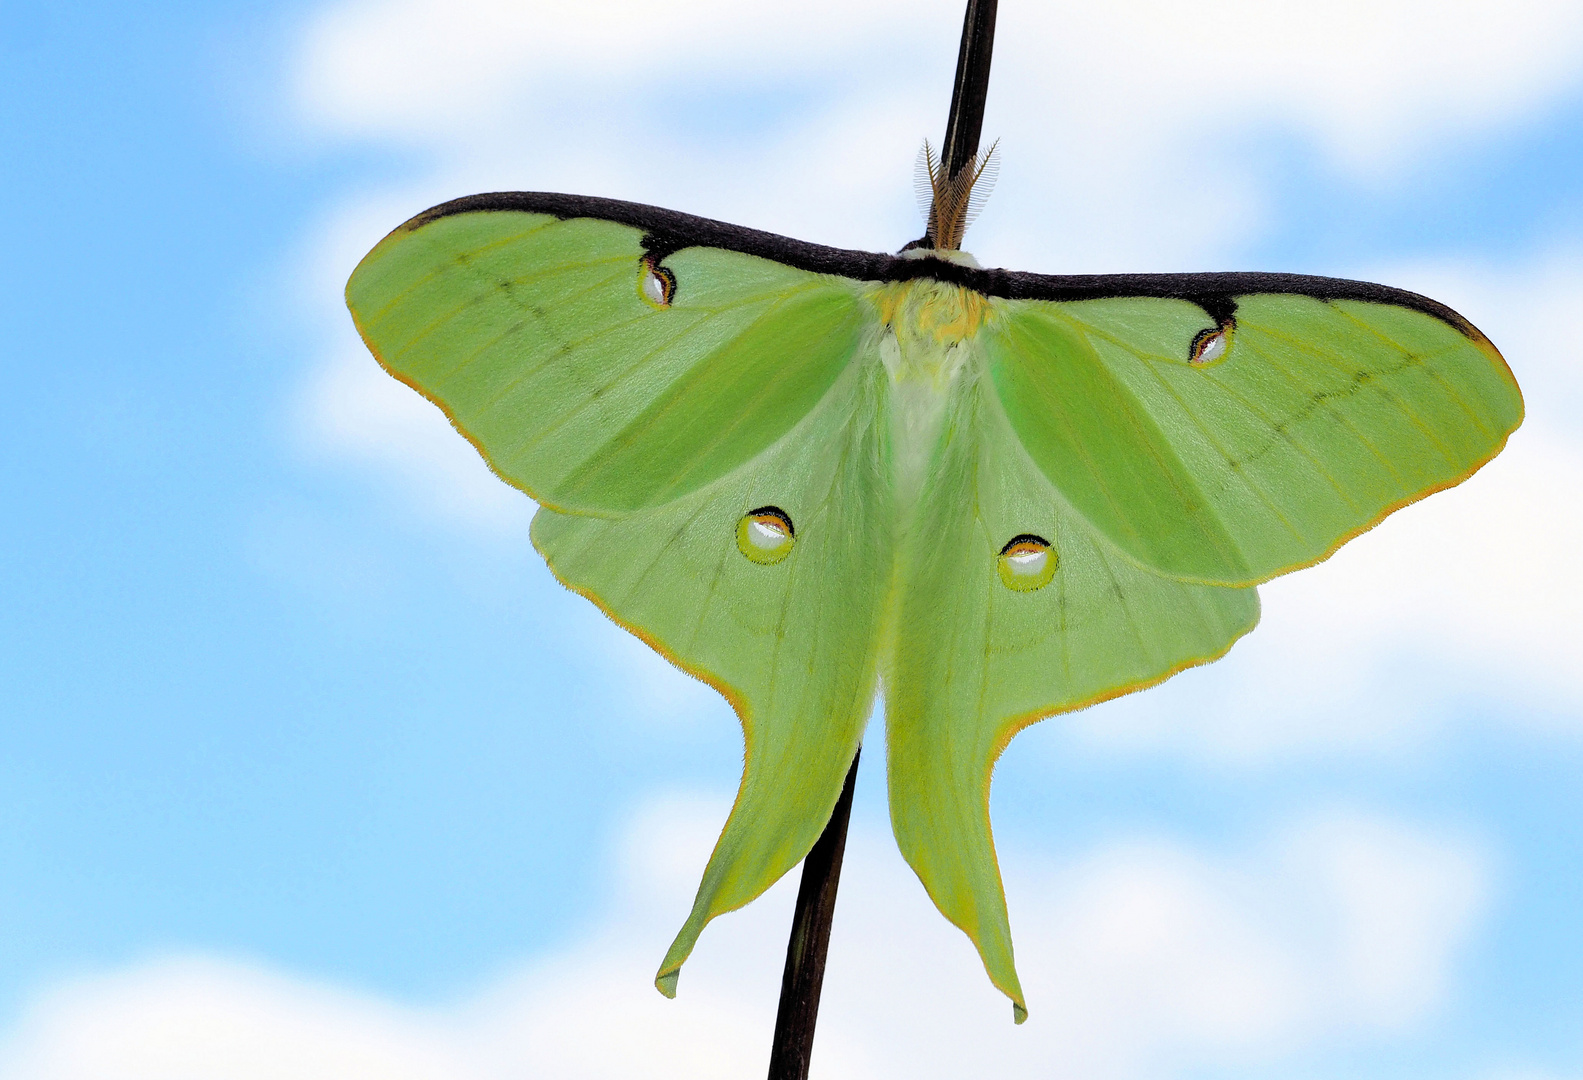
x: 665, y: 982
x: 1019, y: 1012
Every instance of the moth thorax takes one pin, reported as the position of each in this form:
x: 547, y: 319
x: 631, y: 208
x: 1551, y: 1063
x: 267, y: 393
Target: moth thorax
x: 924, y: 315
x: 930, y: 327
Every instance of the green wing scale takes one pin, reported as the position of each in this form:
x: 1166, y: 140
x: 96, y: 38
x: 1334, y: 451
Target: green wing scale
x: 802, y: 473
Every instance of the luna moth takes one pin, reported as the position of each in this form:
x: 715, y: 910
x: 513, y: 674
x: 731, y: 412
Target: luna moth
x: 803, y: 474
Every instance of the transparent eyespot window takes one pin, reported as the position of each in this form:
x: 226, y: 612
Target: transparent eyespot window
x: 1026, y: 563
x: 1209, y: 346
x: 656, y: 284
x: 766, y: 535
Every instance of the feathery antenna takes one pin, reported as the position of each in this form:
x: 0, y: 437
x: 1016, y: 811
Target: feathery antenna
x: 955, y: 200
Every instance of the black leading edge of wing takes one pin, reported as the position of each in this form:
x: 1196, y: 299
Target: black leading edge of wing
x: 668, y: 231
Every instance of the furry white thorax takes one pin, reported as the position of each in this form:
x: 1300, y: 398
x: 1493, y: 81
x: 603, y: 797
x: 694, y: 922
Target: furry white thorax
x: 929, y: 340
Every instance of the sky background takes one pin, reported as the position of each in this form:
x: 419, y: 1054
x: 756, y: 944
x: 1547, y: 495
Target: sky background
x: 309, y: 769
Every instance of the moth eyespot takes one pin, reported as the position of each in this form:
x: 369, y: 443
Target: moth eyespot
x: 1209, y: 345
x: 766, y: 535
x: 1026, y: 563
x: 656, y: 284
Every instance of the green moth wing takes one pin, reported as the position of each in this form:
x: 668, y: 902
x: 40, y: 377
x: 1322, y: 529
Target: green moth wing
x: 1234, y: 440
x: 976, y: 658
x: 792, y: 643
x: 658, y: 396
x: 564, y: 350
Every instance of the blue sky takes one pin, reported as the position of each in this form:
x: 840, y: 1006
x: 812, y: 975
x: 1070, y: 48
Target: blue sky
x: 304, y: 749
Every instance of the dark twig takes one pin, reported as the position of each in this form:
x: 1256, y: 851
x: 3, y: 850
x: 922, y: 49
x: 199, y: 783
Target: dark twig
x: 966, y: 122
x: 810, y: 939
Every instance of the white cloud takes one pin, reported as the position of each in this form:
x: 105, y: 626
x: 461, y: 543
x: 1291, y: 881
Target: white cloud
x: 1122, y: 123
x: 420, y: 67
x: 1144, y: 957
x: 1364, y: 76
x: 202, y: 1019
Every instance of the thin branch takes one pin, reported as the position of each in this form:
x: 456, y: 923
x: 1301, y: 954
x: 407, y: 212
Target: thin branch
x: 810, y: 940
